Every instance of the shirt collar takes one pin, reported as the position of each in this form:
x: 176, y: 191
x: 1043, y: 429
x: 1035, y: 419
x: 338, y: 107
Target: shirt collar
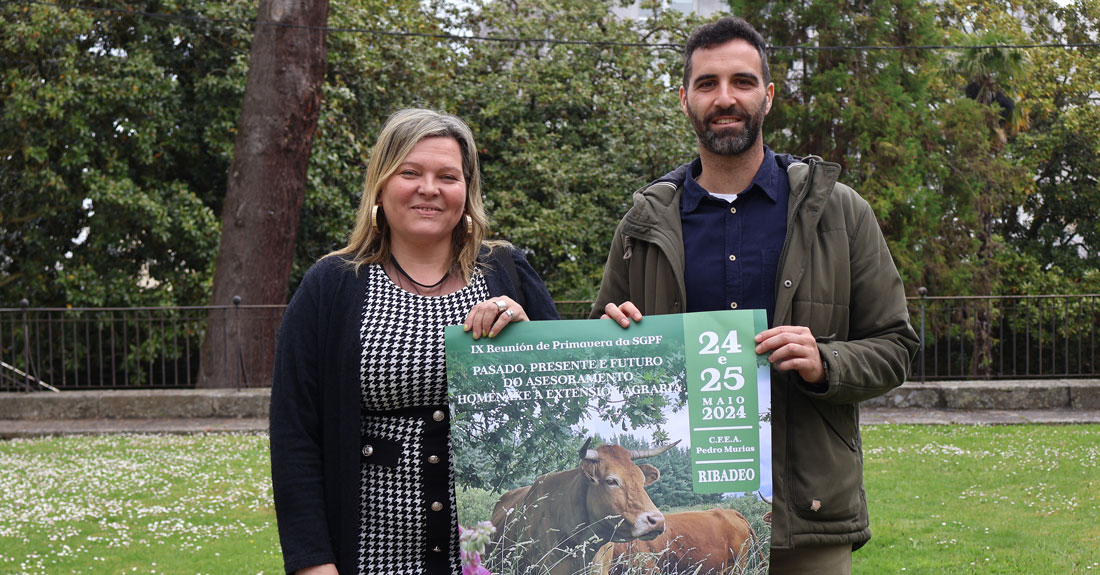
x: 766, y: 179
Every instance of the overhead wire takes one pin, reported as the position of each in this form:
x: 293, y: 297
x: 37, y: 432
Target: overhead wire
x: 523, y: 40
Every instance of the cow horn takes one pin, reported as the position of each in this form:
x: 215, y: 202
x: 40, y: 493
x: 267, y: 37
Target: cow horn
x: 587, y: 453
x: 767, y: 500
x: 654, y: 452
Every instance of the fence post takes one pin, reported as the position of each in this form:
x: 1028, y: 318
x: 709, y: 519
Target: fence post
x: 240, y: 351
x: 922, y: 292
x: 24, y: 303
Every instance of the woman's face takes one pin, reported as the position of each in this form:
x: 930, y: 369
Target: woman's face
x: 424, y: 199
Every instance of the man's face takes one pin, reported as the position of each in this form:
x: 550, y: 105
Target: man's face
x: 726, y: 99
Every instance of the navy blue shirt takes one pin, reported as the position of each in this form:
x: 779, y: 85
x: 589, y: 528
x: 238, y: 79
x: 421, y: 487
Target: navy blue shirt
x: 732, y: 248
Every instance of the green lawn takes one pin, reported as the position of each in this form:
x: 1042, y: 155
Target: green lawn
x: 1012, y: 499
x: 172, y: 504
x: 963, y: 499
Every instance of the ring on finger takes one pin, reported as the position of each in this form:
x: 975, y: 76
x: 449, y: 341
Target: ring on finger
x: 501, y: 305
x: 509, y: 313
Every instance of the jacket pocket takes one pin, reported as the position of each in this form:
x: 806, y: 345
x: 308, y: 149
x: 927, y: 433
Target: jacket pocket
x: 825, y: 466
x: 378, y: 451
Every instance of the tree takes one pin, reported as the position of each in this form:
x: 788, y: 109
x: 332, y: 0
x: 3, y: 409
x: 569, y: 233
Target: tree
x: 117, y: 135
x: 988, y: 76
x: 369, y: 77
x: 114, y: 139
x: 267, y: 179
x: 568, y: 131
x: 501, y: 441
x: 1052, y: 229
x: 872, y: 111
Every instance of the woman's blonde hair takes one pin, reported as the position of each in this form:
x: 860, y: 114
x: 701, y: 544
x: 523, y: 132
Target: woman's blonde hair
x: 368, y: 244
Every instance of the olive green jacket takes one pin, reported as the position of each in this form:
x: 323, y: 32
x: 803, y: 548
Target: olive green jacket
x: 835, y: 277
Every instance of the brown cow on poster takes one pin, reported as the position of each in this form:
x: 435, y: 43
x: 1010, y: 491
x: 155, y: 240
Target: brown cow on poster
x: 712, y: 542
x: 555, y: 525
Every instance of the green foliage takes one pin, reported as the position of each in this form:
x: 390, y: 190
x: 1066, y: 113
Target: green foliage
x: 1053, y: 222
x: 954, y: 176
x: 368, y: 78
x: 876, y: 112
x: 568, y: 131
x: 502, y: 442
x: 475, y: 505
x: 115, y: 134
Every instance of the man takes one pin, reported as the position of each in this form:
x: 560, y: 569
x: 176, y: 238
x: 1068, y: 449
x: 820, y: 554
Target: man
x: 742, y: 227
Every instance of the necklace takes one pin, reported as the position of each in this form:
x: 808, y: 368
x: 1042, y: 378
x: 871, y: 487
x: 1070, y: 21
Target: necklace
x: 409, y: 277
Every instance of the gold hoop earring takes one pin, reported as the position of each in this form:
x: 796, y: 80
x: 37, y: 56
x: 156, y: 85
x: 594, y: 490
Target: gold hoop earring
x: 374, y: 216
x: 469, y: 225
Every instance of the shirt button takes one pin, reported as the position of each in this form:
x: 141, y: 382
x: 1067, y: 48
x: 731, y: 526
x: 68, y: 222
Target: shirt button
x: 787, y: 283
x: 433, y: 459
x: 733, y: 258
x: 437, y: 549
x: 438, y: 415
x: 733, y: 210
x: 733, y: 305
x: 368, y: 450
x: 437, y: 506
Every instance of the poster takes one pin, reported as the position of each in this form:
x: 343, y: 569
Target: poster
x: 583, y: 447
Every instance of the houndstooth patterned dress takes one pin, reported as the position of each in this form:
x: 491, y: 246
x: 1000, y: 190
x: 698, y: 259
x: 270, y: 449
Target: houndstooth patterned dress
x: 407, y: 505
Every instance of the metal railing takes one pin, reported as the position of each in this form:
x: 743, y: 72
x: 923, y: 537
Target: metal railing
x: 41, y: 349
x: 574, y: 309
x: 50, y: 349
x: 1006, y: 337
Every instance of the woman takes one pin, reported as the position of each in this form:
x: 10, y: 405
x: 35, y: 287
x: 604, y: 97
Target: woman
x: 360, y: 452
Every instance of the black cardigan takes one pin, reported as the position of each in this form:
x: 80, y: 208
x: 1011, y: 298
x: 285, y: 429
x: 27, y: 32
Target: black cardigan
x: 315, y: 417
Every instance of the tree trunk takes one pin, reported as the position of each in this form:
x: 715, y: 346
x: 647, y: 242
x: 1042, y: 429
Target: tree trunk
x: 265, y: 190
x: 983, y: 282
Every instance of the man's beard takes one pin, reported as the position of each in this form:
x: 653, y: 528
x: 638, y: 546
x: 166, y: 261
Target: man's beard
x: 728, y: 141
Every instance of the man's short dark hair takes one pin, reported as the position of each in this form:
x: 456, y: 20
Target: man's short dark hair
x: 722, y: 31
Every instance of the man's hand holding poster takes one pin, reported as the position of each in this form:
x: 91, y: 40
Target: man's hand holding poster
x: 586, y: 448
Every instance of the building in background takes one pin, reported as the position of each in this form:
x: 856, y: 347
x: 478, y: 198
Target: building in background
x: 701, y: 7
